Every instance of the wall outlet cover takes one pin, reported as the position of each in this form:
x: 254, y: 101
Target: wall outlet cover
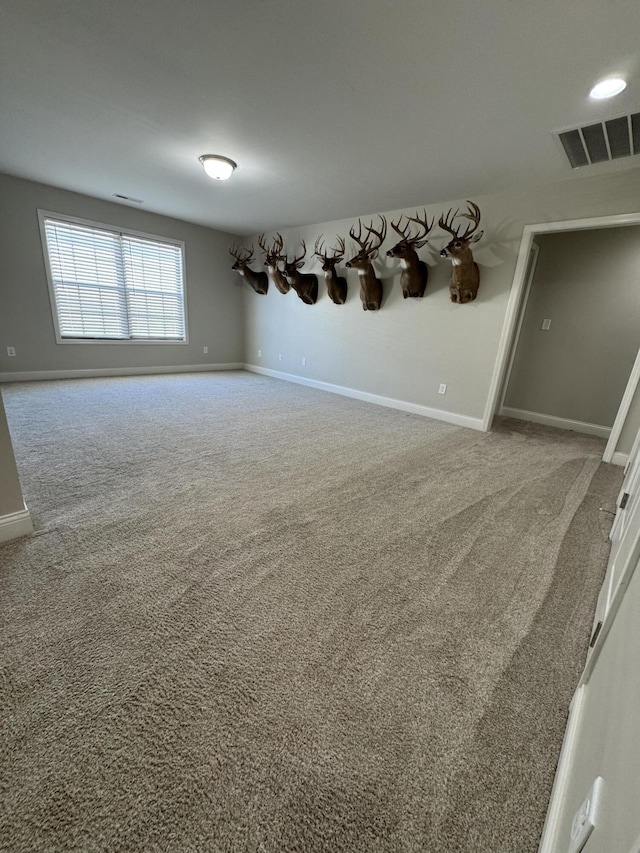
x: 585, y: 818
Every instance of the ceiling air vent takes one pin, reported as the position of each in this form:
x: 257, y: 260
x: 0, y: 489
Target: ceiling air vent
x: 602, y: 141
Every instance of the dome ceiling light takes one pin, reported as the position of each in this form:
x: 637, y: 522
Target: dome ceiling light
x: 608, y: 88
x: 217, y: 167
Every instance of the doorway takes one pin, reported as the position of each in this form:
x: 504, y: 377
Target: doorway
x: 515, y: 314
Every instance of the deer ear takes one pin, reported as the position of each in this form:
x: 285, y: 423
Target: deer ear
x: 420, y: 243
x: 373, y: 255
x: 477, y: 237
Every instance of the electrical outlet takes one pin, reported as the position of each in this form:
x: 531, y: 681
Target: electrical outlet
x: 205, y: 350
x: 585, y: 818
x: 11, y: 351
x: 279, y: 356
x: 442, y: 389
x: 304, y: 361
x: 546, y: 325
x: 259, y: 353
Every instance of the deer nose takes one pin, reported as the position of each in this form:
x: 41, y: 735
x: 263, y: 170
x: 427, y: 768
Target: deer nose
x: 443, y: 253
x: 390, y: 253
x: 348, y: 264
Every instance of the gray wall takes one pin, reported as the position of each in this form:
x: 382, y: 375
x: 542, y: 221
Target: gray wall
x: 213, y: 290
x: 409, y: 347
x: 588, y: 284
x: 10, y: 492
x: 607, y: 742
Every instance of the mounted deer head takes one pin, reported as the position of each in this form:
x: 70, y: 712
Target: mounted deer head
x: 336, y: 285
x: 304, y: 284
x: 413, y: 278
x: 465, y: 275
x: 272, y: 257
x: 370, y: 285
x: 258, y: 280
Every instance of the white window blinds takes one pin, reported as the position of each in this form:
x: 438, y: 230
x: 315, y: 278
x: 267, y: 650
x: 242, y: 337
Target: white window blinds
x: 114, y: 285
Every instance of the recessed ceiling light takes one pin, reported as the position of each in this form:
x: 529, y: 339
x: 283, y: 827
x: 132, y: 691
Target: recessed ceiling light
x: 220, y: 168
x: 608, y: 88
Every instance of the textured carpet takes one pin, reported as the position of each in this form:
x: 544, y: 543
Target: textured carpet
x: 257, y: 617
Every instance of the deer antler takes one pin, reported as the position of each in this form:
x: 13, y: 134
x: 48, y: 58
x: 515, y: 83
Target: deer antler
x: 446, y: 222
x: 423, y: 221
x: 381, y: 234
x: 247, y: 256
x: 319, y: 248
x: 263, y: 245
x: 299, y: 261
x: 352, y: 233
x: 473, y: 213
x: 338, y: 254
x: 402, y: 233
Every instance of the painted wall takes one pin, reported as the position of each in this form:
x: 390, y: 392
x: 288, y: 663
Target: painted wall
x: 405, y: 350
x: 10, y: 492
x: 588, y: 284
x: 607, y: 741
x: 213, y: 291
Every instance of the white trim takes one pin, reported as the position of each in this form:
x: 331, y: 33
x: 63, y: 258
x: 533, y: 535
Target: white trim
x: 389, y: 402
x: 36, y: 375
x: 550, y: 841
x: 15, y: 524
x: 620, y: 459
x: 623, y: 411
x: 553, y: 421
x: 531, y: 271
x: 517, y: 289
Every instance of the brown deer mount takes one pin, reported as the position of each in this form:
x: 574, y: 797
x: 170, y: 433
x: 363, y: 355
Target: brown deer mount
x: 272, y: 257
x: 465, y: 275
x: 413, y: 278
x: 258, y: 280
x: 370, y: 285
x: 336, y: 284
x: 304, y: 284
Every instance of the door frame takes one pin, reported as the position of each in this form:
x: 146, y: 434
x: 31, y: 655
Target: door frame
x: 516, y: 303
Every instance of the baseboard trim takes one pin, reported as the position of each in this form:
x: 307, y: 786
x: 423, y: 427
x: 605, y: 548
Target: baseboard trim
x: 15, y: 524
x: 553, y: 421
x: 551, y: 841
x: 620, y: 459
x: 389, y: 402
x: 36, y: 375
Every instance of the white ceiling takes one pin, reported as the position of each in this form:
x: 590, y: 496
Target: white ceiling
x: 331, y: 109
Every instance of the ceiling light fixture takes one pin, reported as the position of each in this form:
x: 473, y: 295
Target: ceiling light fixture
x: 217, y: 167
x: 608, y: 88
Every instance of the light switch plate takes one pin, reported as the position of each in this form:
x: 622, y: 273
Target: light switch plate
x: 546, y: 325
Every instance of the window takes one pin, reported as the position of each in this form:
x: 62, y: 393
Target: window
x: 112, y: 285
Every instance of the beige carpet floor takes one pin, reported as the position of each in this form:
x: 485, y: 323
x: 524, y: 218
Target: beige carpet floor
x: 258, y: 617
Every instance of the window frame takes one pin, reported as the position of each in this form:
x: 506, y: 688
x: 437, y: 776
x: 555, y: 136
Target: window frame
x: 113, y: 229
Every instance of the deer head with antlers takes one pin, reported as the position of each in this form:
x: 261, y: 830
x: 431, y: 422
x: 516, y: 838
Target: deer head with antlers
x: 304, y: 284
x: 258, y: 280
x: 272, y: 258
x: 465, y: 275
x: 336, y: 284
x: 413, y: 277
x: 370, y: 285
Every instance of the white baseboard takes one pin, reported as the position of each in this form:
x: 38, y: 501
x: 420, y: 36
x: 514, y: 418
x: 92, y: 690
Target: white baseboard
x: 15, y: 524
x: 35, y: 375
x: 620, y: 459
x: 551, y: 841
x: 553, y: 421
x: 389, y: 402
